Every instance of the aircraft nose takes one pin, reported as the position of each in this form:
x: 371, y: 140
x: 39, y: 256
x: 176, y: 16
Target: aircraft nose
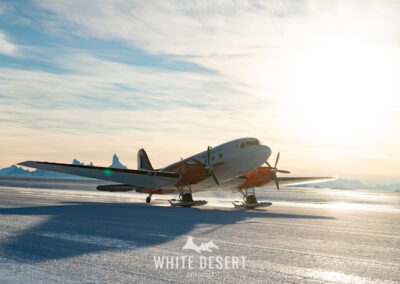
x: 265, y: 152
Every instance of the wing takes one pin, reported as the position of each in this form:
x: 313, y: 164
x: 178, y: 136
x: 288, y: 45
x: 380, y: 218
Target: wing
x: 139, y: 178
x: 285, y: 181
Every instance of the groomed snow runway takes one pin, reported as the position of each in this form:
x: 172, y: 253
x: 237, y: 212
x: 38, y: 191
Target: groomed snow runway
x: 333, y: 236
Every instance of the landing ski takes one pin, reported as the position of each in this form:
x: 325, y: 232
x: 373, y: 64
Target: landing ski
x: 243, y: 205
x: 178, y: 203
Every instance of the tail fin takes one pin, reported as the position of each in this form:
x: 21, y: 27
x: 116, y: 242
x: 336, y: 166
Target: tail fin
x: 143, y: 161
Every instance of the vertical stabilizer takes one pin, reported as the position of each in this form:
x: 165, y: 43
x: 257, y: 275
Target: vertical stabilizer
x: 143, y: 161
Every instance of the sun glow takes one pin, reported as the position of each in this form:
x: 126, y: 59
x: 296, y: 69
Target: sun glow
x: 341, y: 89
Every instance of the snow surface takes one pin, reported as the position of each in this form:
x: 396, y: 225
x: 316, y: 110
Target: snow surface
x: 307, y: 235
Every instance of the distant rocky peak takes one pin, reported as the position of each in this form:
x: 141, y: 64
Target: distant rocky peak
x: 76, y: 162
x: 116, y: 163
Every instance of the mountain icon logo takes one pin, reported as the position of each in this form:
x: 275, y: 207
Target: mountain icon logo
x: 201, y: 248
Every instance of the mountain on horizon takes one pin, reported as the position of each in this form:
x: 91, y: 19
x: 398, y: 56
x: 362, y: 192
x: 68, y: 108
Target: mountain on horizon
x: 351, y: 184
x: 76, y: 162
x: 14, y: 170
x: 116, y: 163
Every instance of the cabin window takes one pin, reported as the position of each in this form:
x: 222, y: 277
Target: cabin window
x: 252, y: 143
x: 212, y: 158
x: 220, y: 155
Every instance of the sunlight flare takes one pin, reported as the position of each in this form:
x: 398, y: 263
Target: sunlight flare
x: 342, y: 89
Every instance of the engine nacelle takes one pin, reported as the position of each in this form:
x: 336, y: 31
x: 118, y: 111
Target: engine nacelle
x: 257, y: 177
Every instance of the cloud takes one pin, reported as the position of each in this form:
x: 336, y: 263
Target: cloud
x: 122, y: 97
x: 7, y: 47
x: 201, y: 28
x: 3, y: 8
x: 120, y: 108
x: 249, y: 42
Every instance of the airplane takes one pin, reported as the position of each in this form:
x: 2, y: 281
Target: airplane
x: 235, y: 165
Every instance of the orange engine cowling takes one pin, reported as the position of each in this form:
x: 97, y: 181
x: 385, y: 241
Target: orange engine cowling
x: 257, y: 177
x: 191, y: 173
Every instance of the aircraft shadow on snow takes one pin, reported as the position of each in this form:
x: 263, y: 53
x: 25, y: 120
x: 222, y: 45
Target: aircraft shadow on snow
x: 138, y: 224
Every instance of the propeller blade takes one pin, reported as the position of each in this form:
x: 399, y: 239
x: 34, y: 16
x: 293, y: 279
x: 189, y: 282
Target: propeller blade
x: 215, y: 178
x: 275, y: 178
x: 277, y: 159
x: 274, y: 170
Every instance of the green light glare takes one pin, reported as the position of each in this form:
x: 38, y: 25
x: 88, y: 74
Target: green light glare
x: 107, y: 172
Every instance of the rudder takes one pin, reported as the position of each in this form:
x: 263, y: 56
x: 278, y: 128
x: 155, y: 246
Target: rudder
x: 143, y: 161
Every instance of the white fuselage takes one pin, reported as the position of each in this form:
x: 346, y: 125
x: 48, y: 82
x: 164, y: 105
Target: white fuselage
x: 239, y: 157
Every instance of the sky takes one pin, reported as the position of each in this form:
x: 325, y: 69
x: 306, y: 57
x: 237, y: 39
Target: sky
x: 318, y: 81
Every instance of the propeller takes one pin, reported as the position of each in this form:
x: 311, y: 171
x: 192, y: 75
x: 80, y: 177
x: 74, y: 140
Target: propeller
x: 275, y: 170
x: 209, y: 168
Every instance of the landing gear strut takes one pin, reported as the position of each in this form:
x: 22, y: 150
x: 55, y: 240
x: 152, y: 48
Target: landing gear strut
x: 249, y: 196
x: 185, y: 193
x: 250, y: 200
x: 186, y: 198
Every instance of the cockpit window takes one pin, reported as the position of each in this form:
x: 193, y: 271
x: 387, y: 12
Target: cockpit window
x: 252, y: 143
x: 242, y: 145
